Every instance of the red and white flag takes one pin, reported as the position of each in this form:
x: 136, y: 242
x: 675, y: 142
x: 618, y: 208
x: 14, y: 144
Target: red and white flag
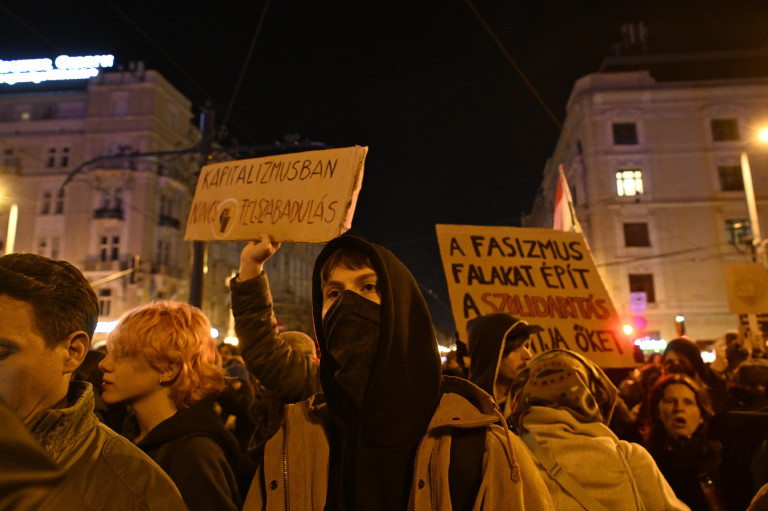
x: 565, y: 215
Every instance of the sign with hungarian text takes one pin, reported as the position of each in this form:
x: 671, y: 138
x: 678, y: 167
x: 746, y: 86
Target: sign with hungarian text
x: 308, y: 196
x: 544, y: 276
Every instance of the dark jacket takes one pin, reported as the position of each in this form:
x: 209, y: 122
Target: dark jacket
x: 195, y: 450
x: 290, y: 376
x: 687, y: 462
x: 373, y: 449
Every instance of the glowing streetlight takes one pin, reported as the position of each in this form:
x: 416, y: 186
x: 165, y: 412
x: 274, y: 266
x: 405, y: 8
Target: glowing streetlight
x: 749, y: 191
x: 13, y: 220
x: 762, y: 134
x: 757, y: 239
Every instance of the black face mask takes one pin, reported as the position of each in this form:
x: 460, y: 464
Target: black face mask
x: 352, y: 326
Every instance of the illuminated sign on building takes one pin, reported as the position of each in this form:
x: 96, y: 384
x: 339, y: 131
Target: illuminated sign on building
x: 63, y: 68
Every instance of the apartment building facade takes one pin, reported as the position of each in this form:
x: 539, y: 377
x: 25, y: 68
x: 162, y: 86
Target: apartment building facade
x: 102, y: 173
x: 651, y: 148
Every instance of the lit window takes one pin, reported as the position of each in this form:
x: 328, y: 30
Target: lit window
x: 724, y: 130
x: 731, y: 179
x: 738, y: 231
x: 624, y: 133
x: 629, y: 183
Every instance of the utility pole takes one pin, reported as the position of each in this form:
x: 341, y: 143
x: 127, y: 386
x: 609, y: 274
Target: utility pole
x: 199, y: 249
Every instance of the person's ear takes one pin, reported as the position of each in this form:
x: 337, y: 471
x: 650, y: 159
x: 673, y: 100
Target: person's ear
x: 169, y: 375
x: 77, y: 344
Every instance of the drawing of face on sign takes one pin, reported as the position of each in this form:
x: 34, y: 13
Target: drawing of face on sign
x: 226, y: 217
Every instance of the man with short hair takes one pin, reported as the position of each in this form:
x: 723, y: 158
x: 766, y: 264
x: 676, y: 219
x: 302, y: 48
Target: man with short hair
x: 388, y: 432
x: 48, y: 313
x: 499, y: 349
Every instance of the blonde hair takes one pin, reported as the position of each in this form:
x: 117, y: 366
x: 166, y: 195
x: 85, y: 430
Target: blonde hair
x: 172, y: 335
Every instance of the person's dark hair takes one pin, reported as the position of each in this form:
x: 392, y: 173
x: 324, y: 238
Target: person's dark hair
x: 62, y: 299
x: 346, y: 257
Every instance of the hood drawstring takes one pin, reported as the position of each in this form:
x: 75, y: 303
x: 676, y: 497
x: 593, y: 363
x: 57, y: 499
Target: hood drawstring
x: 511, y: 457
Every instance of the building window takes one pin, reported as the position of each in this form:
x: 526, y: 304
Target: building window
x: 105, y: 301
x: 109, y: 248
x: 55, y: 241
x: 112, y: 199
x: 738, y: 231
x: 63, y: 162
x: 724, y: 130
x: 642, y: 282
x: 731, y: 179
x: 42, y: 244
x: 636, y: 235
x: 163, y: 253
x: 45, y: 208
x: 59, y: 208
x: 624, y: 133
x: 629, y: 182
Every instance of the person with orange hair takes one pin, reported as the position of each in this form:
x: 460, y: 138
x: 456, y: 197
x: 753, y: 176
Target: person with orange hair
x: 161, y: 364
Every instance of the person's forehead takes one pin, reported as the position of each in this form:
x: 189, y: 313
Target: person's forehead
x: 679, y: 389
x: 341, y: 273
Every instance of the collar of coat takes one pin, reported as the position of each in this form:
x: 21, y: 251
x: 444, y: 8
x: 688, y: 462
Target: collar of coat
x: 59, y: 428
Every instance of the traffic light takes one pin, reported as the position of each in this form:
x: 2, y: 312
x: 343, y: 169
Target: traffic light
x: 136, y: 268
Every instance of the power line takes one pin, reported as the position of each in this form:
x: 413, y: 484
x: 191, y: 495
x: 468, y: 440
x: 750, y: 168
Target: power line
x: 244, y: 67
x: 31, y: 29
x: 159, y: 49
x: 514, y: 64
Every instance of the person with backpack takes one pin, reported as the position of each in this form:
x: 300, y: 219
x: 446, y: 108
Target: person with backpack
x: 388, y: 432
x: 161, y: 364
x: 561, y: 408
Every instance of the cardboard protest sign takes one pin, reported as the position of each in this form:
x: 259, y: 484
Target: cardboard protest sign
x: 747, y: 287
x: 308, y: 196
x: 544, y: 276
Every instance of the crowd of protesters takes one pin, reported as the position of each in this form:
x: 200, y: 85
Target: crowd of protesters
x: 366, y: 416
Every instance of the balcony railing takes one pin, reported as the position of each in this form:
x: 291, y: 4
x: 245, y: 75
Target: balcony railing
x: 109, y: 213
x: 169, y: 221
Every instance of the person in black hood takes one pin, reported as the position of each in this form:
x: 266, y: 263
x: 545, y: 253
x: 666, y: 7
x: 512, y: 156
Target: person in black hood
x: 499, y: 349
x: 379, y: 437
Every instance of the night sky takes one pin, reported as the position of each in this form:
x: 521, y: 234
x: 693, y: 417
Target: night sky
x: 454, y: 133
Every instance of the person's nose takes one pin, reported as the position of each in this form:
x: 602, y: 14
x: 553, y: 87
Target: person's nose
x: 105, y: 365
x: 527, y: 354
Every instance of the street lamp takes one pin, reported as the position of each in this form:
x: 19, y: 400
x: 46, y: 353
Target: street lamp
x: 13, y: 220
x: 754, y: 222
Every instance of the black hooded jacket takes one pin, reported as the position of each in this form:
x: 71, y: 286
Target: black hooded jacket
x: 195, y: 450
x: 372, y: 449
